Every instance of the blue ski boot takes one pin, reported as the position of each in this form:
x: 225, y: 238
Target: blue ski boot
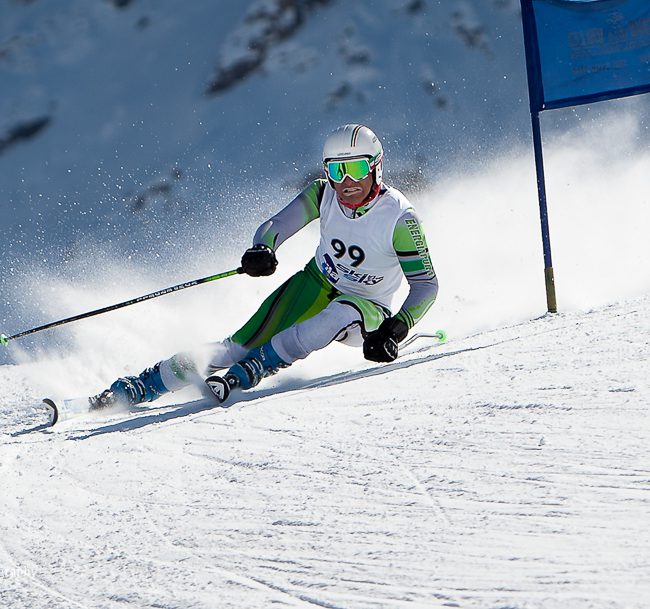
x: 258, y: 363
x: 131, y: 390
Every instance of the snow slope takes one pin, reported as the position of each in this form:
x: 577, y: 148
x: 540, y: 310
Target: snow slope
x: 141, y: 180
x: 135, y: 151
x: 138, y: 160
x: 507, y: 468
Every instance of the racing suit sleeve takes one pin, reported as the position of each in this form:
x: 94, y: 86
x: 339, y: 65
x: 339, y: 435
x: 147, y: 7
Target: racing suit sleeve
x: 413, y: 253
x: 296, y: 215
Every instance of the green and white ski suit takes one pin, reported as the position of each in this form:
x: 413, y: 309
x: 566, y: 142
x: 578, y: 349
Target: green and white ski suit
x: 345, y: 291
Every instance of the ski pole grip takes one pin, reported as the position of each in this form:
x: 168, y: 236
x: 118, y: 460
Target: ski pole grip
x: 4, y: 340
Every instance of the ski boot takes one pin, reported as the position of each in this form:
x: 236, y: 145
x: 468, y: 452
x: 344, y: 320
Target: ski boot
x: 258, y: 363
x: 131, y: 390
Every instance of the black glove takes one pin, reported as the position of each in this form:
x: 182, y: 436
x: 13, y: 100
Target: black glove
x: 381, y: 345
x: 259, y: 261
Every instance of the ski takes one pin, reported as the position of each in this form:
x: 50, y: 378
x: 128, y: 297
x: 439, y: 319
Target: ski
x: 52, y: 411
x: 62, y: 410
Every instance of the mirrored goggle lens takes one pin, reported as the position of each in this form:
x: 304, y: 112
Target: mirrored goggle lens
x: 357, y: 170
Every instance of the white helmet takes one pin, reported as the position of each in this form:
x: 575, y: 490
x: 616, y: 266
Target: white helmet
x: 355, y: 141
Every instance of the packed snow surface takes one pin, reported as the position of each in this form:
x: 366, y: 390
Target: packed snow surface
x: 506, y: 468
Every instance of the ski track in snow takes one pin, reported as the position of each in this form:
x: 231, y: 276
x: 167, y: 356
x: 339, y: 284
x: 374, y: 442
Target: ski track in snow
x: 504, y: 469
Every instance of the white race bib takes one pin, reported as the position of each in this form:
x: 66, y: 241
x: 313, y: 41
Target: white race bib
x: 357, y: 254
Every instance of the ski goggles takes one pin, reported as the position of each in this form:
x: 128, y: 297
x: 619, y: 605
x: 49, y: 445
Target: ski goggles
x: 356, y: 169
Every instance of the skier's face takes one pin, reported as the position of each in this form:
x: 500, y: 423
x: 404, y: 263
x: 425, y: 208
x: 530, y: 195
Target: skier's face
x: 351, y: 192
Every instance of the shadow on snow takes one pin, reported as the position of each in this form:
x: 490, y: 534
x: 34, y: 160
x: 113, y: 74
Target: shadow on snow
x: 204, y: 404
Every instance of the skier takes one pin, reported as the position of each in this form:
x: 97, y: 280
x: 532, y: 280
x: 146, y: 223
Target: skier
x: 370, y: 237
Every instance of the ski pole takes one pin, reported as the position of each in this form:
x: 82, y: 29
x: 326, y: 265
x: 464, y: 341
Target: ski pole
x: 4, y: 339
